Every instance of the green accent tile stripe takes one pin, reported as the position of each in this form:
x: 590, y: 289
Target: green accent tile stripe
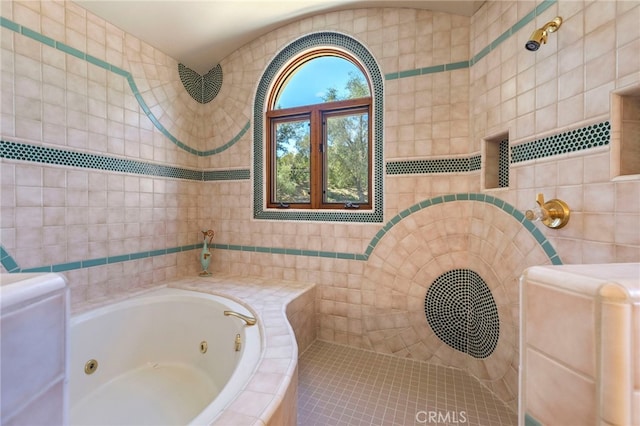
x: 539, y: 9
x: 94, y: 262
x: 409, y: 73
x: 438, y: 165
x: 8, y: 24
x: 544, y: 6
x: 38, y: 37
x: 8, y: 263
x: 529, y: 420
x: 431, y: 70
x: 66, y: 266
x: 63, y: 47
x: 70, y: 50
x: 229, y: 144
x: 102, y: 64
x: 489, y: 199
x: 11, y: 266
x: 40, y: 154
x: 427, y: 70
x: 594, y: 136
x: 241, y: 174
x: 456, y: 65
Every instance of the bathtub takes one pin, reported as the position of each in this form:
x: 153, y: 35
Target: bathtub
x: 166, y: 357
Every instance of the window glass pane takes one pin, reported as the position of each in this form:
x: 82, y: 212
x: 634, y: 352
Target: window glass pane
x: 292, y: 162
x: 346, y: 172
x: 323, y: 79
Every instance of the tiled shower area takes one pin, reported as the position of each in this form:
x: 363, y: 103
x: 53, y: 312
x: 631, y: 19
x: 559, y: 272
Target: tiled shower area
x: 340, y: 385
x: 113, y: 163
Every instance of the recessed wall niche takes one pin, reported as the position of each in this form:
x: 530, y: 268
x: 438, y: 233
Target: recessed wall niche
x: 496, y: 161
x: 625, y: 132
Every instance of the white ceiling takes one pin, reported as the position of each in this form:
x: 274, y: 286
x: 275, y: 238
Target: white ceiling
x: 200, y: 33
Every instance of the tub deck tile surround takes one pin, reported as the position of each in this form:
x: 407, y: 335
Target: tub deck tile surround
x: 270, y: 394
x: 285, y: 310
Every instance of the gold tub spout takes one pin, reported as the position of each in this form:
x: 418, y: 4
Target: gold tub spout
x: 249, y: 320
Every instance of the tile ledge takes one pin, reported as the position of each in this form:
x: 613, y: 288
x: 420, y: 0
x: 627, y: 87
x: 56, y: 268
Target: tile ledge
x: 608, y: 280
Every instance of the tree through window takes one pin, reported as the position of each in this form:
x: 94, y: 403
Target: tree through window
x: 319, y: 139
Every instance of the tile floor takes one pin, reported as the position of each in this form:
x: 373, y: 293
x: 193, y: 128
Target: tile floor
x: 339, y: 385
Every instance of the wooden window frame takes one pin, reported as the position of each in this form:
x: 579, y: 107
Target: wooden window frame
x: 316, y: 114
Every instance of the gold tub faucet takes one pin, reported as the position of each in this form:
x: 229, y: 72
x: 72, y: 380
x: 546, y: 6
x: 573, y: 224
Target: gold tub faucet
x: 249, y: 320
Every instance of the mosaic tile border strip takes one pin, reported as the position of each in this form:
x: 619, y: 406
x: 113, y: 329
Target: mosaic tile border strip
x: 438, y: 165
x: 202, y: 88
x: 59, y: 157
x: 593, y: 136
x: 20, y: 29
x: 296, y: 47
x: 503, y: 163
x: 580, y: 139
x: 237, y: 174
x: 544, y: 5
x: 11, y: 266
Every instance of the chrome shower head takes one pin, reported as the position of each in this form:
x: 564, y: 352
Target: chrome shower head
x: 539, y: 36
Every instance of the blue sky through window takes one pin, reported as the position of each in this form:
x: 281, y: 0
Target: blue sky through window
x: 309, y: 83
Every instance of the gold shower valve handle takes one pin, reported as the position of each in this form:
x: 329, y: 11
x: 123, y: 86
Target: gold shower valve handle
x: 553, y: 213
x: 558, y: 214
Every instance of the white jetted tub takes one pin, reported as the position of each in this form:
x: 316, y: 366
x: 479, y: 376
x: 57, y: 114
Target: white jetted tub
x: 166, y: 357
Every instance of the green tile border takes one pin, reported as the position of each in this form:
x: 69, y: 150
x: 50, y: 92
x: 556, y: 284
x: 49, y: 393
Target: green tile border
x: 489, y: 199
x: 539, y: 9
x: 6, y: 23
x: 45, y: 155
x: 583, y: 138
x: 11, y: 266
x: 529, y: 420
x: 27, y: 32
x: 592, y: 136
x: 579, y: 139
x: 436, y: 165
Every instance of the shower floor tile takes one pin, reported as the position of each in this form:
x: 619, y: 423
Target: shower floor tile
x: 339, y: 385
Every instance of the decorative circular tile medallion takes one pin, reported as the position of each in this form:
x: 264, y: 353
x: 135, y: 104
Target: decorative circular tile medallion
x: 462, y: 312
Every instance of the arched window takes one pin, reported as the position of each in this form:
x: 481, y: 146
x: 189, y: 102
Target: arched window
x: 318, y: 134
x: 277, y: 79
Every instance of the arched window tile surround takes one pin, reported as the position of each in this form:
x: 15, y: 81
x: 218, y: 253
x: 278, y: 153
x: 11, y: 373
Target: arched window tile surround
x: 298, y: 46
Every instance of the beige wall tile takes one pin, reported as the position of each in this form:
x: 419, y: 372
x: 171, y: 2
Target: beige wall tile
x: 557, y: 395
x: 568, y: 338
